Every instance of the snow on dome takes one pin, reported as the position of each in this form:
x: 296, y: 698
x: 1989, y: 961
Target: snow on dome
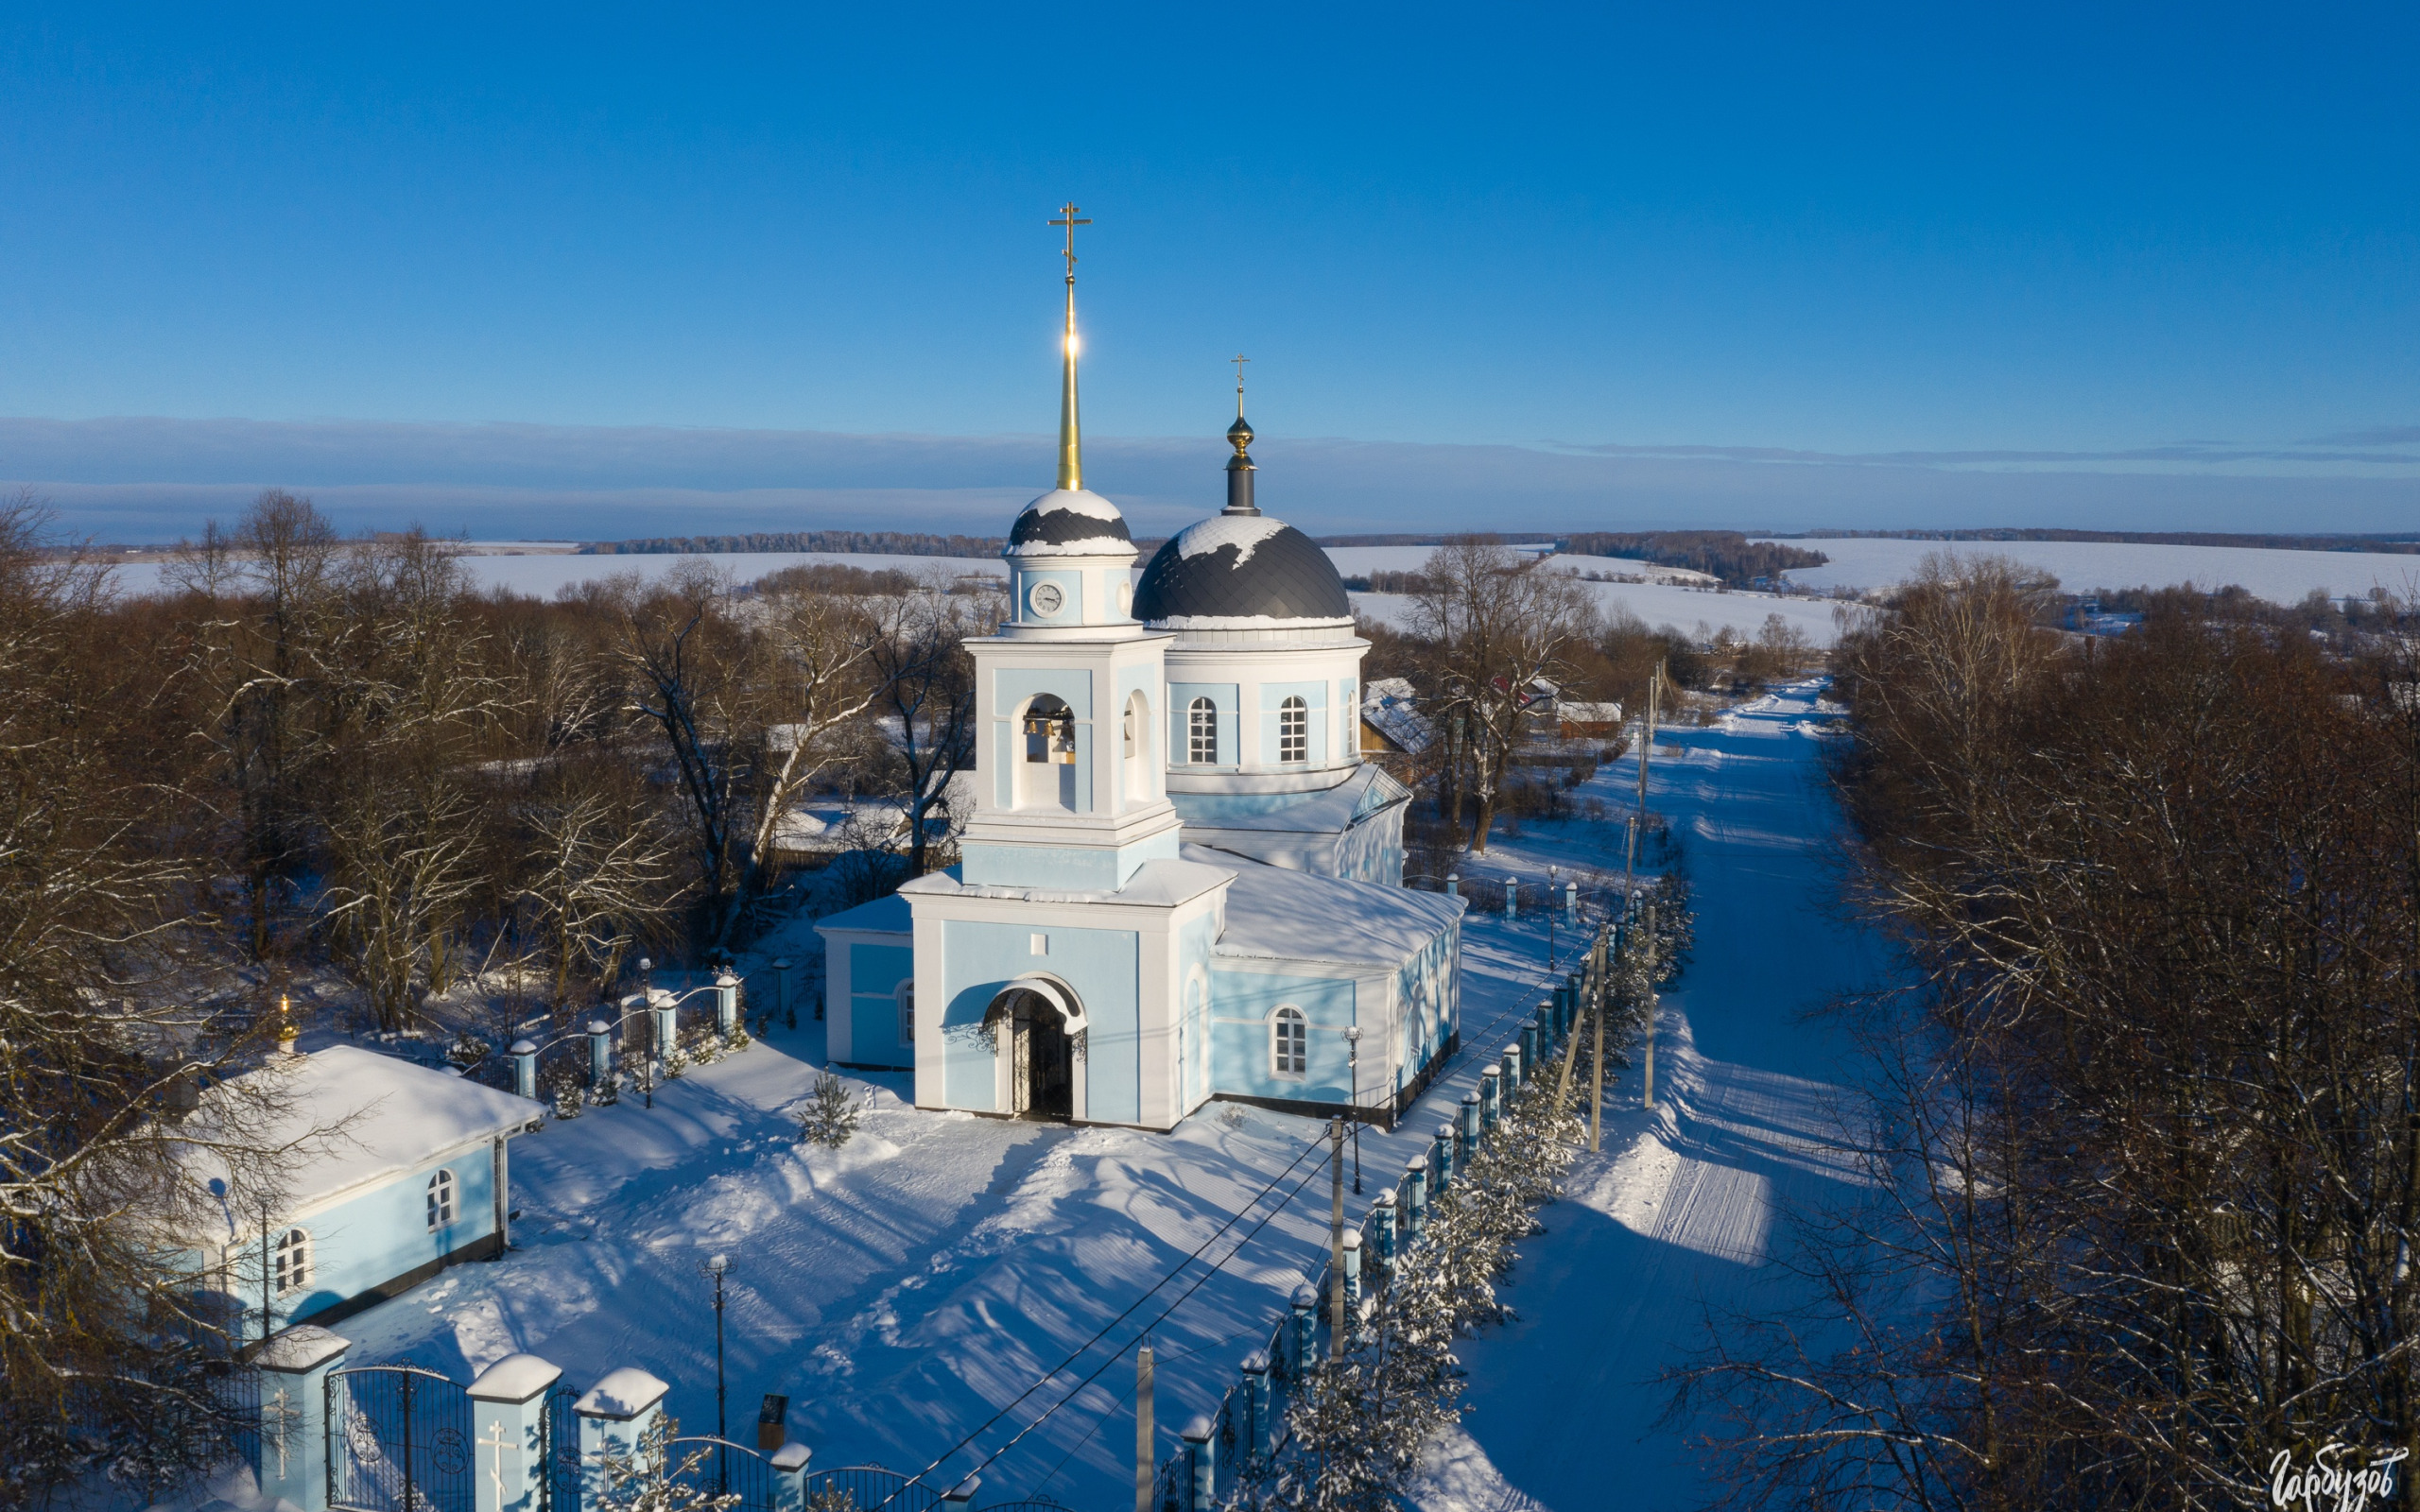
x: 1244, y: 530
x: 1069, y: 523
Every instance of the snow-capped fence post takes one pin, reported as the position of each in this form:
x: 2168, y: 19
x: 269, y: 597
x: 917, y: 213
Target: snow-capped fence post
x: 1382, y: 1218
x: 1256, y: 1404
x: 291, y: 1459
x: 666, y: 1009
x: 620, y: 1413
x: 1202, y: 1454
x: 961, y: 1496
x: 1511, y: 897
x: 1543, y: 1019
x: 1453, y: 884
x: 1353, y: 1274
x: 1571, y: 901
x: 1511, y: 1063
x: 601, y: 1053
x: 1306, y: 1323
x: 1491, y: 1099
x: 1526, y: 1047
x: 1469, y: 1136
x: 789, y: 1477
x: 727, y: 1006
x: 1415, y: 1196
x: 524, y: 1068
x: 509, y: 1446
x: 1443, y: 1156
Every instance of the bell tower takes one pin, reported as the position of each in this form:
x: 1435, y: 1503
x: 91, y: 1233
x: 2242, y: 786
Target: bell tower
x: 1070, y: 783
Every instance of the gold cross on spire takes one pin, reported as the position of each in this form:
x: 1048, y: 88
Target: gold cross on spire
x: 1071, y: 220
x: 1239, y: 360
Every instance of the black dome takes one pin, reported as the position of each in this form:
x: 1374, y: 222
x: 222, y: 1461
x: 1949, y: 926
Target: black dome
x: 1067, y: 519
x: 1241, y: 567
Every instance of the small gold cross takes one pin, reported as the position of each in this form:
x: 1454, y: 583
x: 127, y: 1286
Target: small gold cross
x: 1071, y: 220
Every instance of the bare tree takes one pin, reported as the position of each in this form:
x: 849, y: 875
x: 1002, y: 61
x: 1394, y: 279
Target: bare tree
x: 920, y: 663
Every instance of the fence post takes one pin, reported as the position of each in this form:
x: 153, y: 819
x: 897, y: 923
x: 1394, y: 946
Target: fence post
x: 727, y: 1005
x: 1257, y: 1394
x: 666, y: 1010
x: 1307, y: 1322
x: 1443, y: 1153
x: 601, y: 1053
x: 1513, y: 1064
x: 1415, y: 1196
x: 509, y: 1446
x: 789, y: 1477
x: 1525, y: 1046
x: 1384, y: 1215
x: 1545, y: 1022
x: 1453, y: 884
x: 524, y: 1068
x: 1469, y: 1129
x: 1571, y: 901
x: 619, y: 1411
x: 1201, y: 1453
x: 1491, y: 1098
x: 961, y: 1496
x: 1511, y: 897
x: 292, y: 1461
x: 1353, y: 1274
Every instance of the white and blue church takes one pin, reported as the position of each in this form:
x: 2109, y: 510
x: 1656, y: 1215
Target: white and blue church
x: 1179, y: 880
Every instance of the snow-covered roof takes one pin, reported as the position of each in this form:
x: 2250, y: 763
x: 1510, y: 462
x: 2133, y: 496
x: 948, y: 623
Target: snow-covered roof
x: 1590, y: 714
x: 353, y: 1115
x: 1329, y: 811
x: 1388, y: 706
x: 1277, y: 914
x: 1243, y: 531
x: 1069, y: 523
x: 1154, y: 885
x: 884, y: 916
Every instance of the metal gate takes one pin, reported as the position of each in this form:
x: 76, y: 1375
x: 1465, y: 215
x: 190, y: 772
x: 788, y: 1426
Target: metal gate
x: 398, y: 1440
x: 559, y: 1430
x: 720, y: 1467
x: 871, y: 1485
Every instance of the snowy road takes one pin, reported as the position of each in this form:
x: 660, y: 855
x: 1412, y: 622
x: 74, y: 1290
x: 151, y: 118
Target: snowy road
x: 1683, y: 1207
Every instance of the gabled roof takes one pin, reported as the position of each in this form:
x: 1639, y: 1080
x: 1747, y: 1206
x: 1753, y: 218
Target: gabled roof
x: 1277, y: 914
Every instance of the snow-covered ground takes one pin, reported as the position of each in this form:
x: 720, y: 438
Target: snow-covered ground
x: 905, y: 1289
x: 2280, y: 576
x: 541, y: 574
x: 1697, y: 612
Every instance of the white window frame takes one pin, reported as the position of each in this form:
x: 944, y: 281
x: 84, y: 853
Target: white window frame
x: 1289, y: 1042
x: 1202, y: 732
x: 293, y: 1261
x: 439, y: 1196
x: 1294, y: 729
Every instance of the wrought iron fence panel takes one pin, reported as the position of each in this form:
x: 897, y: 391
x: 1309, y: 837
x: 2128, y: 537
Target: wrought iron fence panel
x: 1030, y: 1503
x: 872, y: 1485
x: 722, y: 1468
x: 559, y: 1430
x: 398, y: 1440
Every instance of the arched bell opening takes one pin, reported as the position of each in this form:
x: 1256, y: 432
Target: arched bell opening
x: 1047, y: 769
x: 1036, y: 1027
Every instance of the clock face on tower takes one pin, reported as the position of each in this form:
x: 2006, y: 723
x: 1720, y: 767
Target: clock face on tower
x: 1045, y: 599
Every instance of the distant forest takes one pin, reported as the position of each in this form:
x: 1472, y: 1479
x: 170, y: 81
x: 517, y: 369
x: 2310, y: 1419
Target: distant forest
x: 2394, y: 543
x: 1725, y: 554
x: 893, y: 542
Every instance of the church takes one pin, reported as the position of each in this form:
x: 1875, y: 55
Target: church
x: 1179, y: 880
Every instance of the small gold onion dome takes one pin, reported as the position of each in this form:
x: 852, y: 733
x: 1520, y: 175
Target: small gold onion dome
x: 1239, y: 434
x: 286, y: 1032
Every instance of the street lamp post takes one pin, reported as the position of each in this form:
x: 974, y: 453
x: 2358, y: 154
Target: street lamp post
x: 1353, y: 1067
x: 716, y: 1267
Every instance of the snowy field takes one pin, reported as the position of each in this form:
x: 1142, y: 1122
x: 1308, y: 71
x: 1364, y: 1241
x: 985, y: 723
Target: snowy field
x: 907, y: 1289
x: 1697, y: 612
x: 542, y: 574
x: 2280, y: 576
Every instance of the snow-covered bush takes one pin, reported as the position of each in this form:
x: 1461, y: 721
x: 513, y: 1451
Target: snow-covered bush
x: 832, y: 1111
x: 675, y: 1059
x: 648, y: 1482
x: 566, y: 1099
x: 467, y: 1051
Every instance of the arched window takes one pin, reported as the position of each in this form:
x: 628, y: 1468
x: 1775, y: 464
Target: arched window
x: 906, y: 995
x: 1202, y: 732
x: 440, y: 1200
x: 1294, y: 730
x: 1138, y: 749
x: 1289, y: 1040
x: 293, y: 1261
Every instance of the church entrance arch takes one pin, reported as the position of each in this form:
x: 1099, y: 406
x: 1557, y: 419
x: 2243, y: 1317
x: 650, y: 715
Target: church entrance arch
x: 1037, y: 1026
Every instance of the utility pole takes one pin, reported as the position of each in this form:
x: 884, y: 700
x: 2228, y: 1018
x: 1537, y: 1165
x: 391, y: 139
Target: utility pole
x: 714, y: 1267
x: 1649, y: 946
x: 1142, y: 1445
x: 1596, y: 1082
x: 1336, y: 1246
x: 1645, y: 748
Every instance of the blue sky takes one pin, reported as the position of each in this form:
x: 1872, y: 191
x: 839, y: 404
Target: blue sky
x: 1678, y: 265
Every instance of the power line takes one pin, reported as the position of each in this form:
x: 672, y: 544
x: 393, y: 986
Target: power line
x: 1077, y: 1353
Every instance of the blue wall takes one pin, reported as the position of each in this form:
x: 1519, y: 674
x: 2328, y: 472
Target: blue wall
x: 1314, y: 694
x: 1244, y: 1001
x: 1102, y: 965
x: 1181, y: 696
x: 874, y: 974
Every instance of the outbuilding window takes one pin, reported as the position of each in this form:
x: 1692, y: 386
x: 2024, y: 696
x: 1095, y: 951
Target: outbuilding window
x: 293, y: 1261
x: 907, y: 1012
x: 440, y: 1200
x: 1290, y: 1042
x: 1202, y: 732
x: 1294, y: 730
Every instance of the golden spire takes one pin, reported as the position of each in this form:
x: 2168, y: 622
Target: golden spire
x: 1071, y: 450
x: 1239, y: 360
